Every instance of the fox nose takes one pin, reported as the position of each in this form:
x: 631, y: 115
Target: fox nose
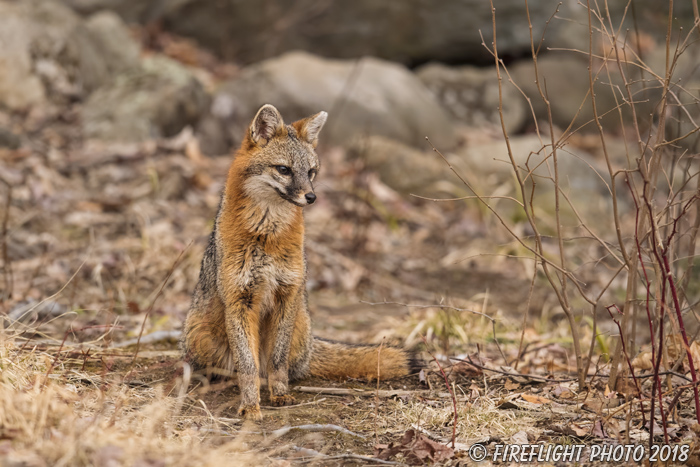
x: 310, y: 198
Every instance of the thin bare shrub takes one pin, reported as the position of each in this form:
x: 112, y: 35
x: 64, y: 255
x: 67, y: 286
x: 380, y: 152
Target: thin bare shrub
x: 645, y: 241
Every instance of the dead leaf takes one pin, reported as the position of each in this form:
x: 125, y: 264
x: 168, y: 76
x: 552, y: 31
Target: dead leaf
x: 562, y: 392
x: 466, y: 370
x: 581, y: 430
x: 695, y: 352
x: 642, y: 361
x: 535, y: 399
x: 519, y: 438
x: 417, y: 448
x: 598, y: 430
x: 510, y: 385
x: 609, y: 394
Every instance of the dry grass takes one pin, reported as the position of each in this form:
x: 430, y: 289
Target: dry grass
x: 73, y: 417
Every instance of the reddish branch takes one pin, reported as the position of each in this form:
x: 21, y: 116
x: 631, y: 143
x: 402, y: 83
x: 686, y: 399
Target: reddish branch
x: 661, y: 254
x: 629, y: 362
x: 449, y: 388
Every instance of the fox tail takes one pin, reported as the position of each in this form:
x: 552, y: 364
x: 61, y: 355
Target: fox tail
x: 337, y: 360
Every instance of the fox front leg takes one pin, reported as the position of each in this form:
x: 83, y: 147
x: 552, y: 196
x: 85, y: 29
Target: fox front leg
x: 242, y: 329
x: 281, y: 332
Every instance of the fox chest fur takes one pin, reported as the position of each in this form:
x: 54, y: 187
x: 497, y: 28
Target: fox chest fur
x: 262, y: 253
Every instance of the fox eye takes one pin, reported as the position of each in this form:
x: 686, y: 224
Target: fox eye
x: 312, y: 174
x: 283, y: 169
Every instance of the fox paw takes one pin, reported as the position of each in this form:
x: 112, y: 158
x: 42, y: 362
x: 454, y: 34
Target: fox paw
x: 284, y: 399
x: 251, y: 412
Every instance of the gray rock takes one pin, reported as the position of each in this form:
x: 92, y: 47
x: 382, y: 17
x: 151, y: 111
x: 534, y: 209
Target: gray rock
x: 8, y: 139
x: 489, y: 169
x: 528, y: 153
x: 119, y: 51
x: 48, y: 53
x: 683, y: 120
x: 403, y: 168
x: 564, y: 75
x: 156, y: 100
x: 363, y: 98
x: 31, y: 310
x: 471, y: 95
x: 407, y: 31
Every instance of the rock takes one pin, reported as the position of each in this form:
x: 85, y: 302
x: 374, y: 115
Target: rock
x: 471, y: 95
x: 406, y: 31
x: 678, y: 125
x: 8, y: 139
x: 119, y: 51
x: 645, y: 20
x: 49, y: 54
x: 574, y: 165
x: 405, y: 169
x: 487, y: 166
x: 363, y: 98
x: 156, y: 100
x: 567, y: 84
x: 32, y: 310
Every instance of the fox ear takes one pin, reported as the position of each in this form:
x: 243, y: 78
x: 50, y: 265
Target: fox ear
x: 266, y: 123
x: 309, y: 128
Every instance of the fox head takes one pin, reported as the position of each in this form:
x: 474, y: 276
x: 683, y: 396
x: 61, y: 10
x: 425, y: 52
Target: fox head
x: 282, y: 162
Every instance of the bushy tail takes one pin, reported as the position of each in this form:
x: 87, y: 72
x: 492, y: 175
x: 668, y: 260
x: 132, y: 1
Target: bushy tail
x: 336, y: 360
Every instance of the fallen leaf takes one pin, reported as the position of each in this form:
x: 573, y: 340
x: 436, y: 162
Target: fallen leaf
x: 598, y: 430
x: 562, y: 392
x: 581, y: 430
x: 642, y: 361
x: 417, y: 449
x: 467, y: 370
x: 510, y: 385
x: 519, y: 438
x: 609, y: 394
x: 535, y: 399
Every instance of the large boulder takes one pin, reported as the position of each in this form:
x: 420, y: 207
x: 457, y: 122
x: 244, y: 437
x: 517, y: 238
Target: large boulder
x: 363, y: 98
x: 157, y: 99
x: 50, y: 53
x: 408, y: 31
x: 487, y: 168
x: 582, y: 178
x: 403, y: 168
x: 471, y: 95
x: 564, y: 78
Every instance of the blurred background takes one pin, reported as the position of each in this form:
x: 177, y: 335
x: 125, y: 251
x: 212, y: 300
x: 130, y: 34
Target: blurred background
x: 118, y: 120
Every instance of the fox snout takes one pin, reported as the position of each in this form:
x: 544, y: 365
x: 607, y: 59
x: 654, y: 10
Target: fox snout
x: 304, y: 198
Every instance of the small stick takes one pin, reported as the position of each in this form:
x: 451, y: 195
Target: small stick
x: 160, y: 291
x: 55, y: 360
x: 151, y: 338
x: 312, y: 453
x: 317, y: 401
x: 376, y: 394
x: 7, y: 266
x: 519, y: 375
x: 449, y: 388
x: 356, y: 392
x: 315, y: 427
